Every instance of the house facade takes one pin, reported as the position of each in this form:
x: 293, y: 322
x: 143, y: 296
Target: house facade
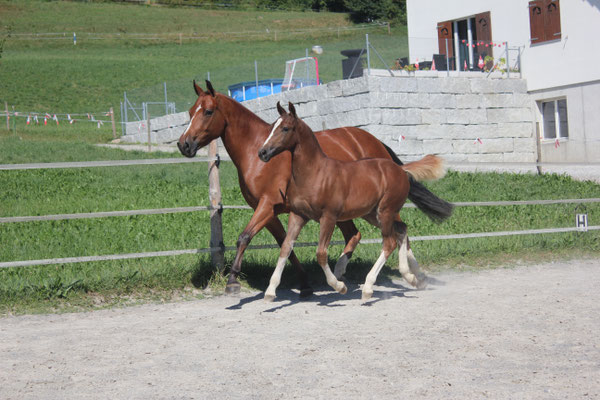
x: 549, y: 42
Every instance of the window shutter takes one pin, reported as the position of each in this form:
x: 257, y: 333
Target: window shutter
x: 445, y: 32
x: 552, y: 19
x: 483, y: 31
x: 536, y: 21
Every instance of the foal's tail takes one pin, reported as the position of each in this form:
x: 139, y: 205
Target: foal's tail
x: 434, y: 207
x: 428, y: 168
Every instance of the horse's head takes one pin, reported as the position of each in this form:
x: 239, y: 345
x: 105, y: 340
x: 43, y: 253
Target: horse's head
x: 206, y: 122
x: 284, y: 134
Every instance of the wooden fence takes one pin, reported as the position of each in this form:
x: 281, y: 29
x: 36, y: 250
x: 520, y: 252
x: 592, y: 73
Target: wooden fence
x: 217, y: 247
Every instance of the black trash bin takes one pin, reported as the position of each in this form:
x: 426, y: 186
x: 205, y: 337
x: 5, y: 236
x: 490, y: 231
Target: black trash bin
x: 352, y: 67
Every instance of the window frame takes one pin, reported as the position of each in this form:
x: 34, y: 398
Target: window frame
x: 558, y: 123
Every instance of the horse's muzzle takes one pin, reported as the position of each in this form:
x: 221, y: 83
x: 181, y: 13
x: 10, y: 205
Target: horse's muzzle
x: 265, y: 154
x: 186, y: 149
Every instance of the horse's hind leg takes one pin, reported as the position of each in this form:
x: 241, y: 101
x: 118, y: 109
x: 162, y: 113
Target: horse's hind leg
x: 389, y: 244
x: 407, y: 264
x: 352, y: 237
x: 414, y: 268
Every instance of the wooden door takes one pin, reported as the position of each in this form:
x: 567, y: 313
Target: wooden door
x: 444, y: 30
x: 483, y: 30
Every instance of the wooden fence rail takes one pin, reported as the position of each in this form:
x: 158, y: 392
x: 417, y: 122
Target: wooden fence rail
x: 217, y: 247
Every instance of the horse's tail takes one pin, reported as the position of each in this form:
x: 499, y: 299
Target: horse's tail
x: 428, y: 168
x: 434, y: 207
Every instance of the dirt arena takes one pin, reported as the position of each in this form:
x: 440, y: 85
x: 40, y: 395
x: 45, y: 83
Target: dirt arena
x: 528, y: 332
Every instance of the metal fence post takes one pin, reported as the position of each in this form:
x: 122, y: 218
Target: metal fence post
x: 149, y: 132
x: 507, y: 62
x: 307, y: 74
x: 125, y: 107
x: 447, y: 59
x: 217, y: 252
x: 7, y: 117
x: 368, y: 56
x: 122, y: 122
x: 166, y: 100
x: 112, y: 119
x: 256, y: 76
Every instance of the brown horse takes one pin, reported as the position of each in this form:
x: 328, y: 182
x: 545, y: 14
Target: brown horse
x: 328, y: 191
x: 264, y: 185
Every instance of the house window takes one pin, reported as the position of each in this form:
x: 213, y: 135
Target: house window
x: 465, y: 40
x: 544, y: 20
x: 554, y: 115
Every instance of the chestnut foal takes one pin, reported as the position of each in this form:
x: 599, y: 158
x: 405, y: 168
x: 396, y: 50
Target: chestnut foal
x: 327, y: 190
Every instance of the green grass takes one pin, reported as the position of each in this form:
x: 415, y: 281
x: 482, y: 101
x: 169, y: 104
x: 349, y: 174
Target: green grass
x: 57, y: 77
x: 40, y: 192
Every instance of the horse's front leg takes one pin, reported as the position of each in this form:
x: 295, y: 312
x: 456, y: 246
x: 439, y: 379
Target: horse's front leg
x: 276, y: 228
x: 295, y: 224
x: 352, y: 237
x: 327, y: 224
x: 262, y: 215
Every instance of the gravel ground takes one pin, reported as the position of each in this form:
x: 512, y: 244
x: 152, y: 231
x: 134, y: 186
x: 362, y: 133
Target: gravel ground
x: 529, y: 332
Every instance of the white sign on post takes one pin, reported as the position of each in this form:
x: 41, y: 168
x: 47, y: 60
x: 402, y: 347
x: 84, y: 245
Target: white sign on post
x: 581, y: 222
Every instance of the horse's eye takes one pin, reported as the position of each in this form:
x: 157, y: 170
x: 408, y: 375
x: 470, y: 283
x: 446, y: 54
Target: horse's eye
x: 208, y: 112
x: 285, y: 129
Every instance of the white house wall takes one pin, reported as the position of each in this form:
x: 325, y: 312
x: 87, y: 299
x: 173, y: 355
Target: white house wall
x: 572, y: 59
x: 423, y: 17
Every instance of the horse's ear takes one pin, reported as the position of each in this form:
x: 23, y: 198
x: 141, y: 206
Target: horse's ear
x: 292, y: 110
x: 210, y: 88
x: 198, y: 89
x: 280, y: 109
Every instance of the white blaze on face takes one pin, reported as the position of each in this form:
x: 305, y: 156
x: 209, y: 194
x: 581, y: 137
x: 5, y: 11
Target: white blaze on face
x: 277, y: 123
x: 192, y: 120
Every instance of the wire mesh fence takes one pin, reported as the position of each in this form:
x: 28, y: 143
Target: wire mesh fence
x: 258, y: 68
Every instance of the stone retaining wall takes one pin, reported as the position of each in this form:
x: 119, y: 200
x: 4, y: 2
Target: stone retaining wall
x: 464, y: 118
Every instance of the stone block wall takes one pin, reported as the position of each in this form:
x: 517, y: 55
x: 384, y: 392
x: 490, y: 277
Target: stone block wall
x: 463, y: 118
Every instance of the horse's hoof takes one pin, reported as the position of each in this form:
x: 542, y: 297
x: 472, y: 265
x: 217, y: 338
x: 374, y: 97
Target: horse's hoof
x: 306, y: 292
x: 343, y: 289
x: 366, y: 296
x: 422, y: 283
x: 269, y: 298
x: 233, y: 288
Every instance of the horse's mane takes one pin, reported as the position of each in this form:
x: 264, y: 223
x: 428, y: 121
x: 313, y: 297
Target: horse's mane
x: 242, y: 111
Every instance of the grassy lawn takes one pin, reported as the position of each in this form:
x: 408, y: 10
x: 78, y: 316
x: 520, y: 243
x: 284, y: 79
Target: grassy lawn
x: 40, y: 192
x: 57, y: 77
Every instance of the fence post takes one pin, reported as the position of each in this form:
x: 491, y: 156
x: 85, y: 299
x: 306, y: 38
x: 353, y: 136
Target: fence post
x: 112, y: 119
x: 368, y: 56
x: 149, y: 131
x: 7, y: 117
x: 166, y: 99
x: 256, y: 76
x: 217, y: 257
x: 507, y: 62
x: 447, y: 59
